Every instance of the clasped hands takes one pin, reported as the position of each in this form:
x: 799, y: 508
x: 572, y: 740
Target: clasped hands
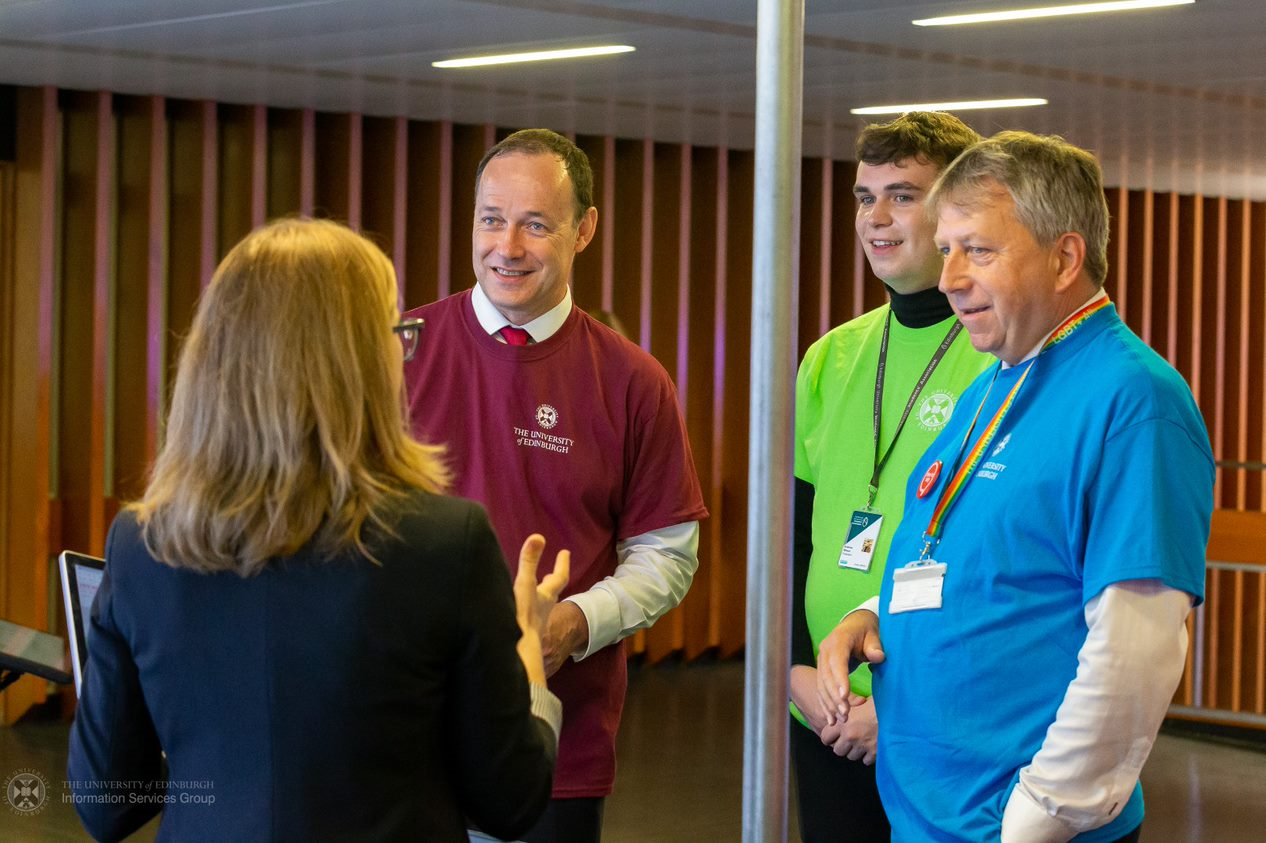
x: 843, y: 720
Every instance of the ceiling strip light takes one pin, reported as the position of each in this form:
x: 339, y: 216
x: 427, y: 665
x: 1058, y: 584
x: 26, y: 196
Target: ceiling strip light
x: 1050, y: 12
x: 539, y: 55
x: 965, y: 105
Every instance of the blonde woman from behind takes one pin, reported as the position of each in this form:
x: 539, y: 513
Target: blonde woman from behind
x: 321, y: 643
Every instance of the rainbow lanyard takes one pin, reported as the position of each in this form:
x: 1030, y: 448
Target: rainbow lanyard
x: 954, y: 488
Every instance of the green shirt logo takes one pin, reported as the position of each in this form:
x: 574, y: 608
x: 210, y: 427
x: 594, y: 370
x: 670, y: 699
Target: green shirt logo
x: 936, y: 410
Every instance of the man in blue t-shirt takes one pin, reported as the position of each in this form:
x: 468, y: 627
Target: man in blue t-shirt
x: 1031, y: 627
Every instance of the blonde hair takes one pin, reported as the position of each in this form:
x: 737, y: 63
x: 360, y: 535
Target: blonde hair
x: 287, y: 420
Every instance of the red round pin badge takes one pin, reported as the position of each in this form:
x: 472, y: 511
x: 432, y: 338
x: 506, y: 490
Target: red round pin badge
x: 929, y: 479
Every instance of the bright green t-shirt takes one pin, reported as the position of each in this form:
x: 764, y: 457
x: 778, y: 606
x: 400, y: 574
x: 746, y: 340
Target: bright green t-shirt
x: 835, y: 445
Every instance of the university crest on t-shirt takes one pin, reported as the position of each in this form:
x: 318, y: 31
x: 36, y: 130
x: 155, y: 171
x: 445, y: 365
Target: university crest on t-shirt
x: 935, y: 410
x: 540, y: 436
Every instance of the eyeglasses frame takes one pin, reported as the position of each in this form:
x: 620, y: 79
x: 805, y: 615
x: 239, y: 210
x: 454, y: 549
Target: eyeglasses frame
x: 409, y: 331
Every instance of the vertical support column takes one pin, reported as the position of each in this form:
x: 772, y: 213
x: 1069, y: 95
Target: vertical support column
x: 775, y: 262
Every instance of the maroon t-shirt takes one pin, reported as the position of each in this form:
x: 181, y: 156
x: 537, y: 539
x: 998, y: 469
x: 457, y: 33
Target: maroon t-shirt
x: 579, y: 438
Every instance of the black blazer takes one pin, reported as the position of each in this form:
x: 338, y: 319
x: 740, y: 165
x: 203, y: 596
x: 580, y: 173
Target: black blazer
x: 337, y: 700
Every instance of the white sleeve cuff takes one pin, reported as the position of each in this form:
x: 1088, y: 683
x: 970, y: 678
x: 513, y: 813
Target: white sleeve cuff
x: 602, y: 615
x: 652, y: 576
x: 1024, y: 821
x: 1127, y: 669
x: 871, y: 605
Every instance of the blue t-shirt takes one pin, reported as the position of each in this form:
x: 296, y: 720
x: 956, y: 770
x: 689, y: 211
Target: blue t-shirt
x: 1100, y: 473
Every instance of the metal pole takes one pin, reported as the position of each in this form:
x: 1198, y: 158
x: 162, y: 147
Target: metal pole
x: 775, y: 285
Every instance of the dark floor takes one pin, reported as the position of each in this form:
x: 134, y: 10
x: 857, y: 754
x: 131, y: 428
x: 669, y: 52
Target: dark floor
x: 681, y: 771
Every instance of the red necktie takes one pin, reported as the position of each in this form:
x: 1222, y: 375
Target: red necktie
x: 514, y: 336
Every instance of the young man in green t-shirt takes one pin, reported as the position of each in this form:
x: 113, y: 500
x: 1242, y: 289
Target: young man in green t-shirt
x: 854, y: 453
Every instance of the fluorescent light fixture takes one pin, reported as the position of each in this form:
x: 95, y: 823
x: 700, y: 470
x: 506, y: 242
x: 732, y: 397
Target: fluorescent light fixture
x: 539, y: 55
x: 965, y: 105
x: 1049, y: 12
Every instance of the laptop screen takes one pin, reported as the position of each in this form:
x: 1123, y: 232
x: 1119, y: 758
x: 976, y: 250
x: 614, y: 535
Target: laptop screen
x: 81, y: 577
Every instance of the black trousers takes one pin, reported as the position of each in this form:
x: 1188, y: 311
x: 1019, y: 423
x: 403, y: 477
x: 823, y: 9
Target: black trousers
x: 838, y: 800
x: 568, y: 821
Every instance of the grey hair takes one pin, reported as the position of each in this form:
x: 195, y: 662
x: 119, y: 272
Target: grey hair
x: 1056, y: 187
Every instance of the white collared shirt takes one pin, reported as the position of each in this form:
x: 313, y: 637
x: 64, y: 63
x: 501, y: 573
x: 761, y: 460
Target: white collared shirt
x: 653, y: 570
x: 539, y: 329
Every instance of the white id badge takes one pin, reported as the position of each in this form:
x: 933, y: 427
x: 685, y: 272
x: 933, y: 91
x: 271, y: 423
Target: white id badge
x: 863, y: 535
x: 917, y: 586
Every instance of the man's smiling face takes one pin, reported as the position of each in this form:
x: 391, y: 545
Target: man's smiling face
x: 891, y: 223
x: 526, y: 234
x: 1003, y: 285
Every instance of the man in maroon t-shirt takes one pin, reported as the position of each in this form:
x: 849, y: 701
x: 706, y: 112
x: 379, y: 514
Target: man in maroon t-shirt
x: 558, y: 425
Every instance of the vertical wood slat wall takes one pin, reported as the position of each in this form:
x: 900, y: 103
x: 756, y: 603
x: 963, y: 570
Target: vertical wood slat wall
x: 121, y: 207
x: 1226, y: 676
x: 1189, y: 276
x: 28, y: 270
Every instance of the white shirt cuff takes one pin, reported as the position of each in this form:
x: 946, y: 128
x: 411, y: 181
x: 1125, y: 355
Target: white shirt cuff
x: 602, y: 616
x: 871, y: 605
x: 652, y: 576
x: 1024, y: 821
x: 1128, y: 667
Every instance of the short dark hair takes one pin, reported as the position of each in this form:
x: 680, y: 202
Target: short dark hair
x: 936, y: 137
x: 546, y: 142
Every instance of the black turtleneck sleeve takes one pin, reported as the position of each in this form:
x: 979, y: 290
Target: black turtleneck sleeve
x: 913, y: 310
x: 802, y: 549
